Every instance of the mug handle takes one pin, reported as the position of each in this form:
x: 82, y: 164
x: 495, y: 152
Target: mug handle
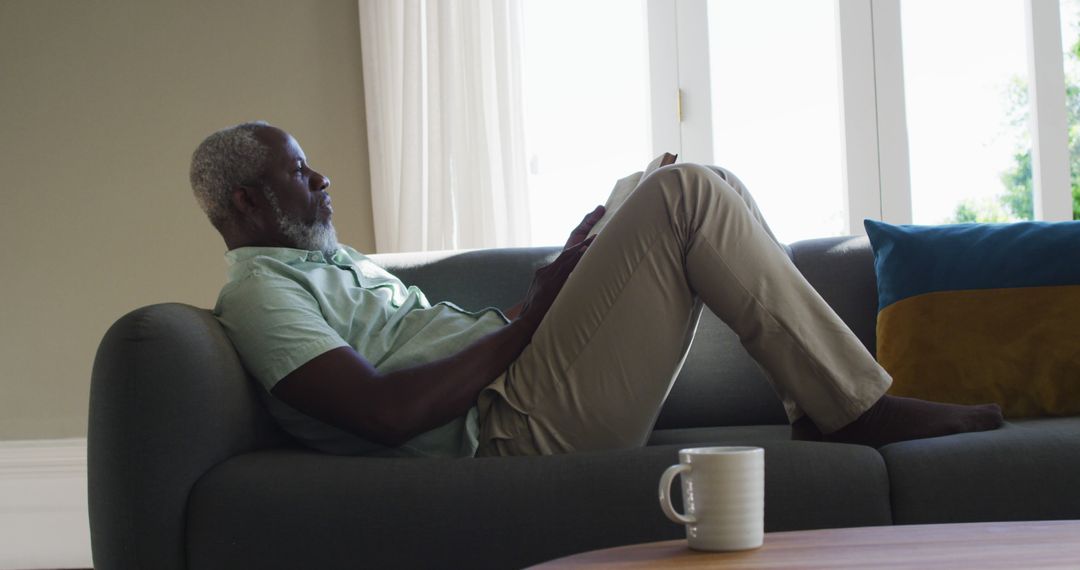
x: 665, y: 494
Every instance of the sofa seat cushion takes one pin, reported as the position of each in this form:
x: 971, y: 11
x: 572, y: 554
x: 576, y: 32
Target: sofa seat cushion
x: 726, y: 435
x: 1027, y: 470
x: 847, y: 481
x: 302, y: 509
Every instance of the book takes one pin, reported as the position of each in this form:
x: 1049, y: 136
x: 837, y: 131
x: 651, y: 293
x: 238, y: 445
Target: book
x: 626, y: 186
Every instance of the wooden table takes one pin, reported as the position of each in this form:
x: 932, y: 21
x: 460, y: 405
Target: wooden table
x: 1031, y: 544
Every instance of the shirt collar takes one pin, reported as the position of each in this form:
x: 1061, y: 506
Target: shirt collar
x: 284, y: 254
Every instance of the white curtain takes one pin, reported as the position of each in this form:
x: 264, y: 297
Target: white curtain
x: 442, y: 87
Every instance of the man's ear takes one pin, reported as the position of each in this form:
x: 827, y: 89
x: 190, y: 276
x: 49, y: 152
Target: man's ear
x: 250, y: 204
x: 244, y: 199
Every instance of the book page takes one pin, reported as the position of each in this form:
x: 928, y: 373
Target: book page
x: 626, y: 186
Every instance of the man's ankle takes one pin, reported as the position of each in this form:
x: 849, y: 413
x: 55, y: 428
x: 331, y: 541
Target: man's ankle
x: 892, y: 419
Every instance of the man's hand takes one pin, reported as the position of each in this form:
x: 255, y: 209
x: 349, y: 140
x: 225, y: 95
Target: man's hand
x: 576, y: 237
x: 582, y: 230
x: 549, y: 280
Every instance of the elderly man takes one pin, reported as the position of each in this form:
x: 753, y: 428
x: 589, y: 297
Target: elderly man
x: 354, y: 362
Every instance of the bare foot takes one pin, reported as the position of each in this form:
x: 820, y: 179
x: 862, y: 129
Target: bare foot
x: 893, y: 419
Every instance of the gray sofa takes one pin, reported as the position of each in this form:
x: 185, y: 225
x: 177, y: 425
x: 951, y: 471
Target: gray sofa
x: 186, y: 470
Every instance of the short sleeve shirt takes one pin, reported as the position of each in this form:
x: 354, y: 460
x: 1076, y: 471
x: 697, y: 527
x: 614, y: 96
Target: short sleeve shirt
x: 283, y: 307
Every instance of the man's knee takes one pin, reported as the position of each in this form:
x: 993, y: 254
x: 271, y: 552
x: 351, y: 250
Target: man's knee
x: 689, y: 177
x: 724, y: 173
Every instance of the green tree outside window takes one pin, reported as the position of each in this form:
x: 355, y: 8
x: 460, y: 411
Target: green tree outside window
x: 1015, y: 201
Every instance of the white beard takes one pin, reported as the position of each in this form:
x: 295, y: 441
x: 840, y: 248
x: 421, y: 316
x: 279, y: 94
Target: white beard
x: 317, y: 236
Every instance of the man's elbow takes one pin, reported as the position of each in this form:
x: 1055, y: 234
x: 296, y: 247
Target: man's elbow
x: 390, y: 438
x: 393, y: 426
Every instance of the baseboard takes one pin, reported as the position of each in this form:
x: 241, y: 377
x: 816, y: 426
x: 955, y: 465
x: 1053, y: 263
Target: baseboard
x: 43, y: 514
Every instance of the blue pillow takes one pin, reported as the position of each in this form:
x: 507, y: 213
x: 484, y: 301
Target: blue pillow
x: 975, y: 313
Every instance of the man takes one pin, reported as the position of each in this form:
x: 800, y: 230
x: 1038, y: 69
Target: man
x: 354, y: 362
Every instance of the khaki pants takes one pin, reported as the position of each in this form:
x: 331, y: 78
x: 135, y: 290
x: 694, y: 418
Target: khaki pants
x: 604, y: 358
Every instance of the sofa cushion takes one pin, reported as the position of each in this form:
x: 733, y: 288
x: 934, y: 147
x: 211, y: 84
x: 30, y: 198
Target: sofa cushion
x: 841, y: 270
x: 473, y: 280
x: 975, y: 313
x: 727, y: 435
x: 720, y: 384
x: 859, y: 472
x: 300, y: 509
x: 1027, y: 470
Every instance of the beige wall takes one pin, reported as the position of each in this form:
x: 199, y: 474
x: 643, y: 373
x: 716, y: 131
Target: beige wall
x: 101, y: 105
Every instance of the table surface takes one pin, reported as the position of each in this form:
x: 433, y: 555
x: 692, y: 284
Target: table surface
x: 1028, y: 544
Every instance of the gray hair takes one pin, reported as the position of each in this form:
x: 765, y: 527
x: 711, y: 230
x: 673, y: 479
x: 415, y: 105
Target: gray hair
x: 225, y: 159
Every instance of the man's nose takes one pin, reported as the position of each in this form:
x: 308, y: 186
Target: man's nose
x: 319, y: 182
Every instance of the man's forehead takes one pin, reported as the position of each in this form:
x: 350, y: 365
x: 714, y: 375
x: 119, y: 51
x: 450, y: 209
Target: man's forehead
x: 280, y: 143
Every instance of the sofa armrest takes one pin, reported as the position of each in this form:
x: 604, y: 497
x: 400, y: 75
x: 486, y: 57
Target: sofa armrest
x: 169, y: 399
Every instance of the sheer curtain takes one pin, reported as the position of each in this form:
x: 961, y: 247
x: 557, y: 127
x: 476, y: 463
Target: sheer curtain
x: 442, y: 83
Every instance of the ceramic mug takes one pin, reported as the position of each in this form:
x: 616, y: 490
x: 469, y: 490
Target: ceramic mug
x: 724, y: 496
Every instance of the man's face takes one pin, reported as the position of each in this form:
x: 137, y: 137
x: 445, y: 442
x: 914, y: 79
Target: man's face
x: 299, y: 205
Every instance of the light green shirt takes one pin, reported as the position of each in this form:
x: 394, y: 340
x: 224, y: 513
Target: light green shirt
x: 283, y: 307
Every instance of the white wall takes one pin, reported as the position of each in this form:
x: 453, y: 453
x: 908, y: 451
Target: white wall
x: 101, y: 105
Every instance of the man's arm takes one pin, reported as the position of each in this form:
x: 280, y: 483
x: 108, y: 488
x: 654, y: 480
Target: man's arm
x: 341, y: 388
x: 513, y: 312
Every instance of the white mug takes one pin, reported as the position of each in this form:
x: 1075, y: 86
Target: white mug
x: 724, y: 496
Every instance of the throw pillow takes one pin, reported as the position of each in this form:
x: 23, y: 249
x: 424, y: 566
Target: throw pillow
x: 977, y: 313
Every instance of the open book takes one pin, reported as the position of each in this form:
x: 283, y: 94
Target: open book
x: 625, y: 187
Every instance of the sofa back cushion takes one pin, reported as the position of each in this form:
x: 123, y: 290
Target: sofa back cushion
x: 722, y: 385
x: 719, y: 384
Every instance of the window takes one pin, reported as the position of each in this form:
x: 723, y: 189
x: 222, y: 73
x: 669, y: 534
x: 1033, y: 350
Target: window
x: 966, y: 88
x: 776, y: 109
x: 587, y: 106
x: 1070, y: 40
x: 831, y: 110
